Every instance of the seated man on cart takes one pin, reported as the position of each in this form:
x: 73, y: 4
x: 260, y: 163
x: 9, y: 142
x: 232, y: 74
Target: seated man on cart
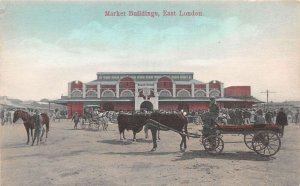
x: 210, y: 118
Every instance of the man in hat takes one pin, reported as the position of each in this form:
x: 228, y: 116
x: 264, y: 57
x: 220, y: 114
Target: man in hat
x: 281, y: 120
x: 75, y: 118
x: 213, y: 109
x: 210, y: 117
x: 297, y: 116
x: 37, y: 121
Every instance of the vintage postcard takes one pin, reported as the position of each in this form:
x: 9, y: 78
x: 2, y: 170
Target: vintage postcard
x: 149, y: 92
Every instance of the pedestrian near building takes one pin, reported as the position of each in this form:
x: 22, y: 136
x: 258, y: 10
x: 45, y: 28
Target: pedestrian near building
x: 239, y: 117
x: 210, y: 118
x: 281, y: 120
x: 252, y: 116
x: 213, y: 109
x: 297, y: 117
x: 2, y: 114
x: 246, y: 115
x: 8, y: 116
x: 232, y: 116
x: 269, y: 117
x: 259, y: 119
x: 76, y: 119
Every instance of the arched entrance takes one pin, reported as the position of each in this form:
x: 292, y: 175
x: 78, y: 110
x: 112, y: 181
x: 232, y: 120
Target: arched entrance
x: 108, y: 107
x: 146, y: 105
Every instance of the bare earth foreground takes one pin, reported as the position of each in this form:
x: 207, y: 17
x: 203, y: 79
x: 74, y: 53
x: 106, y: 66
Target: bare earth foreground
x: 86, y: 157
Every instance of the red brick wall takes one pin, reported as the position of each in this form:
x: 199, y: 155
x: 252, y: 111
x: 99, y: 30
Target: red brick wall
x: 91, y: 87
x: 186, y: 87
x: 236, y: 91
x: 124, y: 106
x: 215, y: 85
x: 200, y: 86
x: 191, y: 105
x: 108, y: 87
x: 127, y: 83
x: 198, y: 106
x: 74, y: 107
x: 168, y: 106
x: 165, y: 83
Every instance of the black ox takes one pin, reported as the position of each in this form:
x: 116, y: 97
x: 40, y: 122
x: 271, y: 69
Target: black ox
x: 135, y: 122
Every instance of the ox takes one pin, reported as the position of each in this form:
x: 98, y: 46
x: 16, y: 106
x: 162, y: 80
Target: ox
x: 134, y: 122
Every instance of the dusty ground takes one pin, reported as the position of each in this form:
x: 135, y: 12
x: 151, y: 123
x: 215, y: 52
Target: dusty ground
x: 85, y: 157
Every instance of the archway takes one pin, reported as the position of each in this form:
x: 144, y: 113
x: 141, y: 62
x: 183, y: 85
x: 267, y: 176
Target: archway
x: 146, y: 105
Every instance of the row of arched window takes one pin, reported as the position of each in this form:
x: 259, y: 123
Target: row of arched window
x: 129, y: 93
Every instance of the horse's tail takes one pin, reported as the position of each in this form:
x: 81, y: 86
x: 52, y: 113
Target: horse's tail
x: 46, y: 121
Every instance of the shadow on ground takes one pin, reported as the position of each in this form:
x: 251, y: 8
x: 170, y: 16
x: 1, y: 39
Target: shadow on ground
x: 24, y: 156
x: 16, y: 145
x: 251, y: 156
x: 124, y: 142
x: 87, y: 129
x: 144, y: 153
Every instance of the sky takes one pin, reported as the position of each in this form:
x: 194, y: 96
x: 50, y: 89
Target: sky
x: 46, y: 44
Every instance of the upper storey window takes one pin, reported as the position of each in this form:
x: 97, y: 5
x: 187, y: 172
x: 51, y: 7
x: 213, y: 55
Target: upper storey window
x: 107, y: 77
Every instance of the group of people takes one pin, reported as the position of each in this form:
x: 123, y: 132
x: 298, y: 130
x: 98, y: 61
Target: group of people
x: 93, y: 115
x: 238, y: 116
x: 242, y: 117
x: 6, y: 116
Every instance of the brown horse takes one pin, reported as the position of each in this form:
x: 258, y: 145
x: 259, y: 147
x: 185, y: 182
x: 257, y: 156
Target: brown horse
x: 29, y: 124
x: 175, y: 121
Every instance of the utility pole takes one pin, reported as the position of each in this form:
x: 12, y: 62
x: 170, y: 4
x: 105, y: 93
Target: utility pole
x: 267, y: 92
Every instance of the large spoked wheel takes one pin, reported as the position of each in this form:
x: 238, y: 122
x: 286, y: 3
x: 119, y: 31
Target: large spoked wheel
x: 248, y: 140
x: 266, y: 143
x: 213, y: 144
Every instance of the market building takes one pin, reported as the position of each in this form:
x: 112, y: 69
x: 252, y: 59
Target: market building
x: 132, y: 91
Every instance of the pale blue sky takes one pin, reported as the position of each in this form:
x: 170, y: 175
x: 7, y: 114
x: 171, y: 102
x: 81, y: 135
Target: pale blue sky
x: 239, y: 43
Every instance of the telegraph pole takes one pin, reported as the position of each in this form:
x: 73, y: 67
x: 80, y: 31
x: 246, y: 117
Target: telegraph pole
x: 267, y: 92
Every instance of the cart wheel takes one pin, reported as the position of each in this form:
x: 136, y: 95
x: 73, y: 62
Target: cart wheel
x: 248, y: 140
x: 213, y: 144
x: 266, y: 143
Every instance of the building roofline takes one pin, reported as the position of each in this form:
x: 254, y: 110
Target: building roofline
x: 142, y: 73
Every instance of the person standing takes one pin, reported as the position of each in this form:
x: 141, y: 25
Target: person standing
x: 8, y: 116
x: 252, y: 116
x: 75, y: 118
x: 210, y: 118
x: 37, y: 121
x: 2, y: 116
x: 213, y: 109
x: 297, y: 117
x: 246, y: 115
x: 268, y: 117
x: 281, y: 120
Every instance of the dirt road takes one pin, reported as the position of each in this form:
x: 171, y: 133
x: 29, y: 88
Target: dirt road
x: 85, y: 157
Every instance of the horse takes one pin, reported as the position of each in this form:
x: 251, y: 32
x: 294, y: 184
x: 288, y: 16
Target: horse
x: 29, y: 123
x: 175, y: 121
